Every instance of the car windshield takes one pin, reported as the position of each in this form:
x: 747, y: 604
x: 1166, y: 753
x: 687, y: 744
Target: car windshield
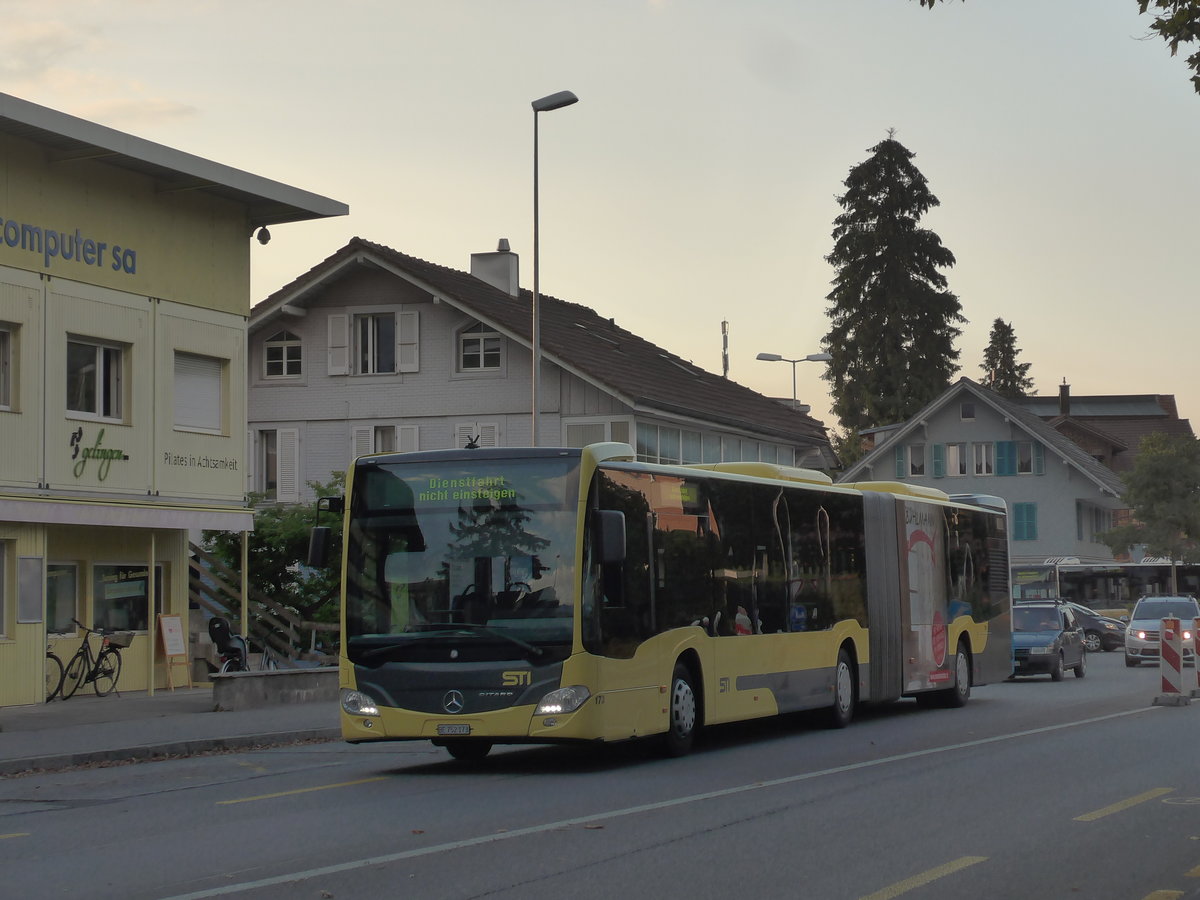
x: 1167, y: 608
x: 1036, y: 618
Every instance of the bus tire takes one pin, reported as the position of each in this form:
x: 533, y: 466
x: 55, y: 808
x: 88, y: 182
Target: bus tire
x: 957, y: 696
x: 468, y: 751
x: 683, y: 713
x: 845, y: 695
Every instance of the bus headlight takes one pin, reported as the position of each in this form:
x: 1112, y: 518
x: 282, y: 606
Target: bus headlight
x: 563, y: 700
x: 356, y: 703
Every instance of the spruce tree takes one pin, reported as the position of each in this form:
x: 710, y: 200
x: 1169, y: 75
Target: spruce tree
x: 892, y: 340
x: 1001, y: 371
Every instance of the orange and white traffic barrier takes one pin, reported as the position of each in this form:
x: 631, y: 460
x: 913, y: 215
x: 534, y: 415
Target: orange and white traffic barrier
x: 1171, y: 664
x: 1196, y: 655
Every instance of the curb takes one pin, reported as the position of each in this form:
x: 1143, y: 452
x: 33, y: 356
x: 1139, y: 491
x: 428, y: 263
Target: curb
x: 161, y: 750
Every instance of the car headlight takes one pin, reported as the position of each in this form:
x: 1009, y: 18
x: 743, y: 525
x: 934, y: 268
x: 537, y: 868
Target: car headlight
x: 356, y: 703
x: 1140, y: 635
x: 1110, y: 626
x: 563, y: 700
x: 1187, y: 635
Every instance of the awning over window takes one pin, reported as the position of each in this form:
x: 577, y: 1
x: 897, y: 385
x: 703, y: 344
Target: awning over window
x: 124, y: 515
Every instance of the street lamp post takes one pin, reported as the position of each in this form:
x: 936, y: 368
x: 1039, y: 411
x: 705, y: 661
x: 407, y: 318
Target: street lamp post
x: 545, y: 104
x: 812, y: 357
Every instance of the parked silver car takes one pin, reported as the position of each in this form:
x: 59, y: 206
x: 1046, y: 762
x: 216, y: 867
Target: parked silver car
x: 1142, y: 638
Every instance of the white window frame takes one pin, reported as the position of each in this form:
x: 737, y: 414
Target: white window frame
x: 4, y: 545
x: 916, y: 460
x: 290, y: 364
x: 368, y: 439
x: 108, y: 377
x: 76, y: 612
x: 956, y: 460
x: 277, y: 461
x: 983, y: 455
x: 199, y: 393
x: 473, y: 343
x: 344, y: 352
x: 371, y: 349
x: 8, y: 340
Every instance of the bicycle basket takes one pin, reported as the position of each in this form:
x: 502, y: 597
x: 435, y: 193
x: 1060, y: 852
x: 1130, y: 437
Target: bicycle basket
x: 121, y: 638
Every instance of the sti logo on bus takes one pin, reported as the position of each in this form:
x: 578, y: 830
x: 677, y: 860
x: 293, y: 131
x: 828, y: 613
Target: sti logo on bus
x: 512, y: 679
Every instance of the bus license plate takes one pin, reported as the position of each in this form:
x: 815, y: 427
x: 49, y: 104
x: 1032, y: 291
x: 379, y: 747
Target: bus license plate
x: 454, y: 729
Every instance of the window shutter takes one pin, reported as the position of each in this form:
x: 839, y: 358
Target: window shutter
x: 1006, y: 458
x: 464, y: 434
x: 407, y: 438
x: 489, y: 435
x: 939, y: 460
x: 408, y: 342
x: 338, y: 350
x: 362, y: 441
x: 289, y: 465
x: 1039, y: 459
x: 900, y: 462
x: 198, y: 392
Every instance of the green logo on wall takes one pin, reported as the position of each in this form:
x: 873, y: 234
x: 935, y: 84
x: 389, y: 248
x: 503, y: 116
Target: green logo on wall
x: 104, y: 455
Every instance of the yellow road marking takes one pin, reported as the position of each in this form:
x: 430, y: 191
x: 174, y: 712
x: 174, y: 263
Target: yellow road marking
x: 1124, y: 804
x: 1194, y: 873
x: 1163, y: 895
x: 4, y: 837
x: 307, y: 790
x: 903, y: 887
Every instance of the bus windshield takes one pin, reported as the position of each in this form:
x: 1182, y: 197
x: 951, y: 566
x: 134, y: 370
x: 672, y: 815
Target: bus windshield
x: 465, y: 559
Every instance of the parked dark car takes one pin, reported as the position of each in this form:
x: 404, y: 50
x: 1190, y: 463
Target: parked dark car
x: 1047, y: 640
x: 1099, y: 632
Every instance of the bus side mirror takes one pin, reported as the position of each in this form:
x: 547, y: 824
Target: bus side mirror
x: 318, y: 547
x: 608, y: 536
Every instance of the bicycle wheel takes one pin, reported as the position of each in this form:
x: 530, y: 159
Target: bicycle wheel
x: 76, y: 672
x: 54, y: 676
x: 108, y: 670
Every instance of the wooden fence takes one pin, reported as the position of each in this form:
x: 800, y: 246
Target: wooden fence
x: 217, y: 589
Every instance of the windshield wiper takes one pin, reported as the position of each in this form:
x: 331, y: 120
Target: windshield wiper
x: 492, y: 632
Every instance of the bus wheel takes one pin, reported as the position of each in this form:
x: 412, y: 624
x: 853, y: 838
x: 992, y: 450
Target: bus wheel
x: 844, y: 698
x: 468, y: 751
x: 958, y: 695
x: 682, y: 714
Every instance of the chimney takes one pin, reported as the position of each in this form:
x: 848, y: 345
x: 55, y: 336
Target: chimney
x: 1064, y: 399
x: 498, y: 269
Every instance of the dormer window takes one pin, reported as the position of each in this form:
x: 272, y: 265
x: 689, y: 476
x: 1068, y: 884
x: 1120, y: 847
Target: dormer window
x: 281, y: 356
x: 480, y: 349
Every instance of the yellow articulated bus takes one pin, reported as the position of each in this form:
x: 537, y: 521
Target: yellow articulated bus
x: 541, y: 595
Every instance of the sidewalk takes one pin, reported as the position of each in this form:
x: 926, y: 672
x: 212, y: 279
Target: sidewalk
x: 136, y: 726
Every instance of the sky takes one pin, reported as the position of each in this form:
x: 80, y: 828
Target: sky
x: 696, y: 180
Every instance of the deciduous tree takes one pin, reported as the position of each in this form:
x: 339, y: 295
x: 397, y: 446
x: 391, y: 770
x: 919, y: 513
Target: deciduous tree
x: 1163, y: 493
x: 893, y: 319
x: 1175, y: 21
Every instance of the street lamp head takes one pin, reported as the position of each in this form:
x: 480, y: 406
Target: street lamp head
x: 769, y: 357
x: 818, y: 357
x: 554, y: 101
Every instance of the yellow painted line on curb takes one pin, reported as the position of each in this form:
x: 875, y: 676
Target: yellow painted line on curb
x: 1194, y: 873
x: 1163, y: 895
x: 307, y: 790
x: 903, y: 887
x: 1123, y: 805
x: 4, y: 837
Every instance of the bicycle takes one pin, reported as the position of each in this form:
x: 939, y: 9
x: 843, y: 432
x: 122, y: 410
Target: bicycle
x: 54, y: 674
x: 102, y: 669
